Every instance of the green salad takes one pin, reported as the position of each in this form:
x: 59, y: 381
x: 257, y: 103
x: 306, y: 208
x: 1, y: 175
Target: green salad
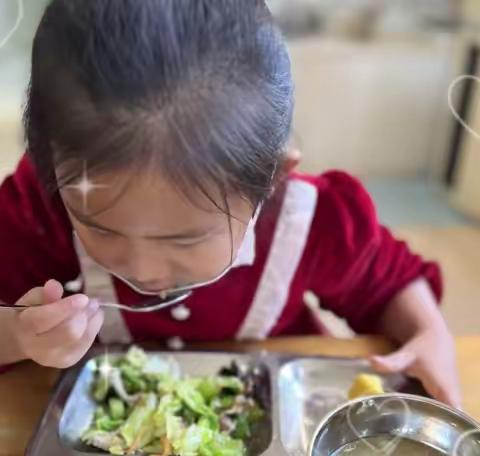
x: 146, y: 406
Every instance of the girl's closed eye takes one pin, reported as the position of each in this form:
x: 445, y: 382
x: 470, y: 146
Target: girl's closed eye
x: 98, y: 231
x: 101, y: 232
x: 192, y: 242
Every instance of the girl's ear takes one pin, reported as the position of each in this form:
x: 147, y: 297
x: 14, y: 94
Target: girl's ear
x: 291, y: 161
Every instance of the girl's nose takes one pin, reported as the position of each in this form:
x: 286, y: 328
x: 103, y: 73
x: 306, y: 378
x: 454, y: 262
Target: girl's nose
x: 148, y: 269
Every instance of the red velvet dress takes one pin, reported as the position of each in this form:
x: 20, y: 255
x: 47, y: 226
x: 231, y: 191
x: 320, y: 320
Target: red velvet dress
x: 318, y: 233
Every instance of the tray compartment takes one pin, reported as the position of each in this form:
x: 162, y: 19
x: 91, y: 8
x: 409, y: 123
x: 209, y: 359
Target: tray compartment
x: 310, y: 388
x: 71, y: 409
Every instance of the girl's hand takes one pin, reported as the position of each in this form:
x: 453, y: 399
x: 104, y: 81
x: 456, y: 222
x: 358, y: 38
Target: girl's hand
x: 430, y: 357
x: 56, y: 332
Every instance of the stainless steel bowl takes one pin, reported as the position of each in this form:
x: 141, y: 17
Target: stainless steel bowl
x: 397, y: 416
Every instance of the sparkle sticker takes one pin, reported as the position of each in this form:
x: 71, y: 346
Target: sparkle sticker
x: 20, y: 12
x: 105, y: 369
x: 85, y: 187
x: 451, y: 102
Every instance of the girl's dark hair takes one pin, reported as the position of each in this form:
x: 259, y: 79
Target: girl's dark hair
x: 198, y: 89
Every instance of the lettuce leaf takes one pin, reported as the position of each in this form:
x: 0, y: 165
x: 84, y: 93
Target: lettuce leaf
x: 139, y: 429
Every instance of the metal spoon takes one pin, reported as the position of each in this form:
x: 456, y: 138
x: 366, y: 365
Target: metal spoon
x: 150, y: 306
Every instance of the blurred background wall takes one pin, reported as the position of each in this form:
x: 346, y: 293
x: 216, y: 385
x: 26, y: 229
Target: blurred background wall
x: 372, y: 78
x: 14, y: 73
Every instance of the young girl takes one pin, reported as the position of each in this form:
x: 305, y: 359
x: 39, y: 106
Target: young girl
x: 158, y: 172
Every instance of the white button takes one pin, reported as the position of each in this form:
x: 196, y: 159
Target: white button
x: 175, y: 343
x: 181, y: 313
x: 74, y: 286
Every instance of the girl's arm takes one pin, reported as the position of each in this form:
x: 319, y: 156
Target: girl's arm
x: 374, y: 281
x: 427, y: 350
x: 413, y: 310
x: 36, y: 245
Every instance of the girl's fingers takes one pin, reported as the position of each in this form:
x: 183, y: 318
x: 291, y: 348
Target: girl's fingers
x: 45, y: 318
x: 68, y: 333
x: 52, y: 291
x: 34, y: 297
x: 450, y: 397
x: 94, y: 326
x: 399, y: 361
x: 81, y: 347
x: 438, y: 384
x: 92, y: 308
x: 67, y: 344
x: 440, y: 388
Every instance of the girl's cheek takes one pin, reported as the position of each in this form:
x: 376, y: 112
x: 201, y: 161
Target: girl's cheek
x: 213, y: 258
x: 202, y: 262
x: 108, y: 251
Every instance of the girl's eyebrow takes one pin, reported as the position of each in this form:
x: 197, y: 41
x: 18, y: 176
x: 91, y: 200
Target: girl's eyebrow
x: 188, y: 234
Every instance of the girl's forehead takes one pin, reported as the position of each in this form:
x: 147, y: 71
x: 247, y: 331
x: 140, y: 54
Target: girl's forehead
x: 147, y: 201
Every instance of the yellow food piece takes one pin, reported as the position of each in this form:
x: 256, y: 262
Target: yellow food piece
x: 366, y: 385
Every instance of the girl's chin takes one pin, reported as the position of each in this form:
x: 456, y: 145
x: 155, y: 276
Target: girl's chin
x: 159, y: 290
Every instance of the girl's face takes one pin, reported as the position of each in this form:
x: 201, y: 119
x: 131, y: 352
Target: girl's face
x: 148, y: 233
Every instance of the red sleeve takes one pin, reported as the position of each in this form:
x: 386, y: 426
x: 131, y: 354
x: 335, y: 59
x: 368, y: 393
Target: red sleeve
x: 360, y: 266
x: 35, y: 236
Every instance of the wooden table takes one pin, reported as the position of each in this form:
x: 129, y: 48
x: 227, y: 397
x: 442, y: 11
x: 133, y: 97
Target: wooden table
x: 24, y: 391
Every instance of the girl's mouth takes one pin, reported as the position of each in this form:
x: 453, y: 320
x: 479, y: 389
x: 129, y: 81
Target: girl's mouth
x: 165, y: 299
x: 152, y: 289
x: 157, y: 288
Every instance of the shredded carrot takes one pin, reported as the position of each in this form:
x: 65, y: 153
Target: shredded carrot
x: 167, y: 447
x: 134, y: 445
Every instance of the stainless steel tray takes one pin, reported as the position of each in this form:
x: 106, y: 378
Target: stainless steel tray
x: 298, y: 392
